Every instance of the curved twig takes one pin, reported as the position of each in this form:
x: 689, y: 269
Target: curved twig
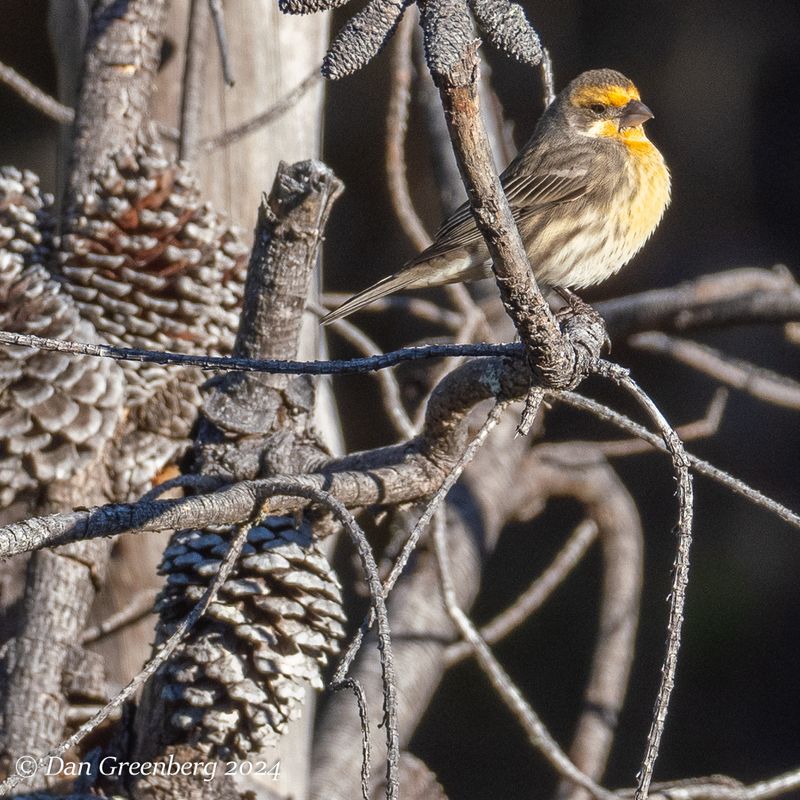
x: 537, y: 733
x: 396, y: 128
x: 535, y: 596
x: 35, y: 97
x: 680, y: 578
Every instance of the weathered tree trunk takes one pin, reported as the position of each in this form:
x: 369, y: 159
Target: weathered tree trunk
x: 271, y: 55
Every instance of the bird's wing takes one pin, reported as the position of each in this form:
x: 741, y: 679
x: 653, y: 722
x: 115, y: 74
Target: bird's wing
x: 527, y: 194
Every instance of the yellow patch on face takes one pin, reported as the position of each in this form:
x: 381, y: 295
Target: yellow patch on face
x: 632, y: 137
x: 610, y: 95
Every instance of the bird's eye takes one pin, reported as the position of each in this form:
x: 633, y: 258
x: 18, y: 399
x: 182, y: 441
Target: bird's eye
x: 597, y: 108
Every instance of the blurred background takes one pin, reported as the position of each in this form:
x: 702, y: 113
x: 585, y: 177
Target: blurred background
x: 723, y: 79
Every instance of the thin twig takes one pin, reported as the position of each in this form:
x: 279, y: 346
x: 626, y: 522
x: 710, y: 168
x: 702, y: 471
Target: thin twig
x: 534, y: 597
x: 396, y: 129
x: 387, y: 380
x: 155, y: 662
x: 363, y: 716
x: 702, y: 428
x: 422, y: 523
x: 378, y: 605
x: 698, y: 465
x: 138, y: 607
x: 218, y: 18
x: 537, y: 733
x: 274, y: 112
x: 680, y: 578
x: 759, y: 382
x: 720, y: 787
x: 35, y: 97
x: 276, y: 367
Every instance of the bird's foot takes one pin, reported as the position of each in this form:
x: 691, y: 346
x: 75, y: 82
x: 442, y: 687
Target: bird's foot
x: 576, y: 307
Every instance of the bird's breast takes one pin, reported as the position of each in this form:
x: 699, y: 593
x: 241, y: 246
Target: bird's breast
x: 649, y: 192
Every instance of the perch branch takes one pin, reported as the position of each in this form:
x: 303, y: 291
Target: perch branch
x: 453, y: 62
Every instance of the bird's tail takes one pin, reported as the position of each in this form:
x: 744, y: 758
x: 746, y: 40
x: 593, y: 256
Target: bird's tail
x: 392, y: 283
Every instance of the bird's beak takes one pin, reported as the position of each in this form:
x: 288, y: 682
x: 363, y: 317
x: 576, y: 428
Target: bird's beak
x: 633, y: 114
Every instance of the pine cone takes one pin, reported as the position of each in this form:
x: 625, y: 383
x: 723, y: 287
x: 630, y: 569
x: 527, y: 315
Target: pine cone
x: 56, y: 410
x: 151, y: 266
x: 241, y: 676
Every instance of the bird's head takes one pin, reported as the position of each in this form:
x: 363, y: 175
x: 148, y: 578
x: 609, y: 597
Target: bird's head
x: 604, y: 104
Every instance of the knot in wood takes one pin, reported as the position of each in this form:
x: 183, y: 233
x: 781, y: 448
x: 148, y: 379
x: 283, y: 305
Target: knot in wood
x: 563, y: 365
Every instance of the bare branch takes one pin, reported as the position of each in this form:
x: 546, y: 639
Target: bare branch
x: 535, y: 596
x: 35, y: 97
x: 363, y: 716
x: 396, y: 129
x: 140, y: 605
x: 378, y: 603
x: 422, y: 523
x: 732, y: 297
x: 699, y: 429
x: 759, y: 382
x: 218, y: 18
x: 581, y: 473
x: 720, y: 787
x: 697, y: 464
x: 287, y: 102
x: 537, y: 733
x: 193, y: 83
x: 385, y: 476
x: 274, y: 366
x: 680, y: 578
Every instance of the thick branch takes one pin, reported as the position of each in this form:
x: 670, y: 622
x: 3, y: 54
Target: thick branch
x: 123, y: 52
x: 453, y: 61
x: 733, y: 297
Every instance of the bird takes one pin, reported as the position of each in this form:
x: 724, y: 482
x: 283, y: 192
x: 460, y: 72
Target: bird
x: 587, y: 190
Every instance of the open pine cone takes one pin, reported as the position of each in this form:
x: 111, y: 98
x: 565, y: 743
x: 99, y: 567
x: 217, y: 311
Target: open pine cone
x: 56, y: 410
x: 152, y: 266
x: 275, y: 622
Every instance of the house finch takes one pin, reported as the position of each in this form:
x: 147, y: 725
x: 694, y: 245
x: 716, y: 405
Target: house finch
x: 586, y: 191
